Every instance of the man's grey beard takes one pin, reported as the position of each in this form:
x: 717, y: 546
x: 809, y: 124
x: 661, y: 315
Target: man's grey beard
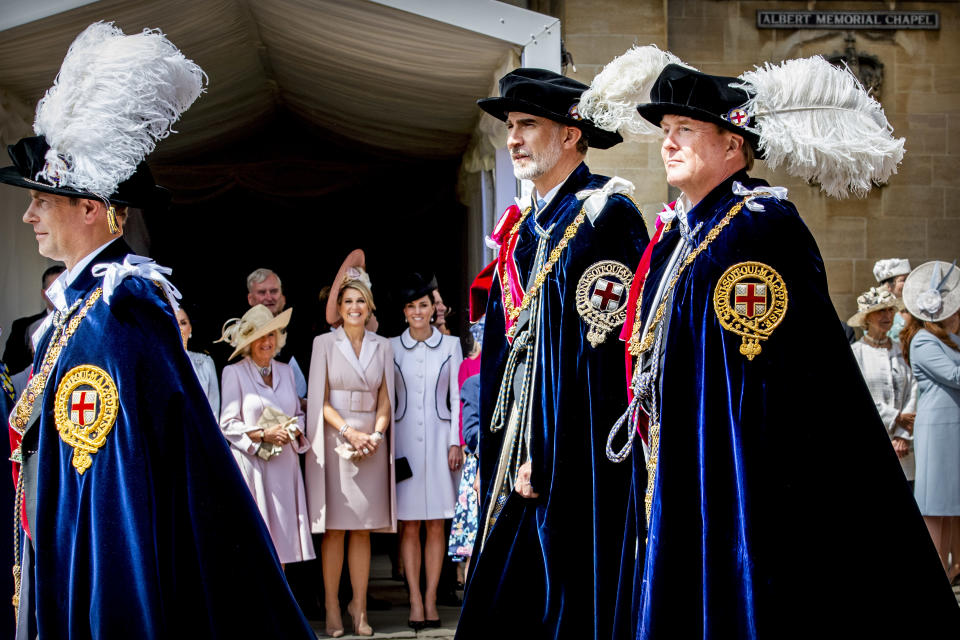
x: 539, y: 163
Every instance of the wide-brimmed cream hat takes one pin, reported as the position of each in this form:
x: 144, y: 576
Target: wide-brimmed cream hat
x: 873, y: 300
x: 255, y: 323
x: 932, y: 291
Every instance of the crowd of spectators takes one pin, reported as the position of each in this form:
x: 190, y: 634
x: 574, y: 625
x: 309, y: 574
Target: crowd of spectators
x: 909, y: 354
x: 377, y: 424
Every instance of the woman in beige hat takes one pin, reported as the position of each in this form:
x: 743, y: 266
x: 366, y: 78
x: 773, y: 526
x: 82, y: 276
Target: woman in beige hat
x: 261, y: 419
x: 886, y: 372
x: 932, y: 346
x: 350, y: 479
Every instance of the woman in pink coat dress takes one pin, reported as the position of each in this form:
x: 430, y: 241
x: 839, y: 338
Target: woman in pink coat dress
x: 350, y: 480
x: 261, y: 418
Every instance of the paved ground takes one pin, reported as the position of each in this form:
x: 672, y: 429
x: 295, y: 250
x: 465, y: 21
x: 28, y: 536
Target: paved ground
x: 393, y: 623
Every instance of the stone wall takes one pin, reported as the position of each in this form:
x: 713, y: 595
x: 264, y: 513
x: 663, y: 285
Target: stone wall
x: 595, y: 32
x: 909, y: 217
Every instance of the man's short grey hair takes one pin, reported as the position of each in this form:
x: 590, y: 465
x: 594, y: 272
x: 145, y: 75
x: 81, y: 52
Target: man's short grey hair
x: 259, y: 276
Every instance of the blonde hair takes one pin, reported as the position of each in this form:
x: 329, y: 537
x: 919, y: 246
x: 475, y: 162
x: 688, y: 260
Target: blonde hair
x: 359, y: 285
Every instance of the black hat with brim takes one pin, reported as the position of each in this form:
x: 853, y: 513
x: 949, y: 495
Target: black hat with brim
x: 550, y: 95
x: 681, y: 91
x: 414, y: 286
x: 29, y: 158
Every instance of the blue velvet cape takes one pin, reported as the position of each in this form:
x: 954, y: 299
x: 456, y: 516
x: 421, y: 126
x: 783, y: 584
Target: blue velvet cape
x: 779, y: 508
x: 549, y: 567
x: 160, y: 537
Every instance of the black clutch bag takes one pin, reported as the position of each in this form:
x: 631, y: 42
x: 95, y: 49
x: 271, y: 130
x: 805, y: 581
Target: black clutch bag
x: 402, y: 470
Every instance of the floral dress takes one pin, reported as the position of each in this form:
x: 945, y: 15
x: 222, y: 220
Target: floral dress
x: 463, y: 532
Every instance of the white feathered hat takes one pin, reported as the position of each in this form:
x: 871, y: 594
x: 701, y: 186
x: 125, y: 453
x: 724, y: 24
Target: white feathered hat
x: 807, y: 114
x: 114, y: 98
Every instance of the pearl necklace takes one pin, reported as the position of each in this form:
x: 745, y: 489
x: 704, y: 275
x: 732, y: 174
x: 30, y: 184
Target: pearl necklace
x: 885, y: 343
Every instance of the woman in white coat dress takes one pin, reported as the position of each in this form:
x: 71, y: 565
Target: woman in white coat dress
x: 886, y: 372
x: 350, y: 479
x: 255, y: 386
x: 428, y: 437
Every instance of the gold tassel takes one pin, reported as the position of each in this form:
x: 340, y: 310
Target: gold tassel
x: 112, y: 221
x: 16, y: 586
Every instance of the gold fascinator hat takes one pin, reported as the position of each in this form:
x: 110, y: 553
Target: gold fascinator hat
x: 873, y: 300
x: 259, y: 321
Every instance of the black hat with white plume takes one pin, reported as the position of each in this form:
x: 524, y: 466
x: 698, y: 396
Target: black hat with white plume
x: 115, y: 97
x: 814, y: 118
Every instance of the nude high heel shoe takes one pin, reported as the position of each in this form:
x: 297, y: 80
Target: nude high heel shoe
x: 360, y: 626
x: 334, y: 632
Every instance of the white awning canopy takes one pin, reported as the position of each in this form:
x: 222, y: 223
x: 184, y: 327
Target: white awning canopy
x: 401, y: 75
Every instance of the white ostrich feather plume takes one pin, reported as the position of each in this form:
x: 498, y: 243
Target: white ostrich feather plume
x: 819, y: 122
x: 612, y: 99
x: 114, y: 98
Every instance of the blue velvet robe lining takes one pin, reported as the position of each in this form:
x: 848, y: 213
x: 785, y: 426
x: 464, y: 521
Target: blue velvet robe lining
x: 779, y: 508
x: 160, y: 537
x: 549, y: 566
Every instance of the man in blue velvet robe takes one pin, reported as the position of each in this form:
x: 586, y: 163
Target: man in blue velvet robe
x: 135, y: 520
x: 776, y: 506
x: 552, y: 514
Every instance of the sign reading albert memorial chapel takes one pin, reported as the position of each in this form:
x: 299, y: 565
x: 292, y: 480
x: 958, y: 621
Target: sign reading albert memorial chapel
x: 848, y: 19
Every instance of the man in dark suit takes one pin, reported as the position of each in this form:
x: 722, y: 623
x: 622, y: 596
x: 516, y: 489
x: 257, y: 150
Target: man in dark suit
x: 18, y: 353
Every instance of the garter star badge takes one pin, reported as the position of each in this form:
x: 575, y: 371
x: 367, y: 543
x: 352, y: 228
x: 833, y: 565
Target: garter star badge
x: 84, y: 411
x: 750, y: 300
x: 738, y: 117
x: 602, y: 298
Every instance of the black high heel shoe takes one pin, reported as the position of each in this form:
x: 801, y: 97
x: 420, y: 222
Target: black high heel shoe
x: 417, y: 625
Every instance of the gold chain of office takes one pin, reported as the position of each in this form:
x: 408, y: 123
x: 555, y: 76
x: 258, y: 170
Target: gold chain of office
x: 38, y: 382
x: 636, y: 345
x: 24, y: 408
x: 513, y: 312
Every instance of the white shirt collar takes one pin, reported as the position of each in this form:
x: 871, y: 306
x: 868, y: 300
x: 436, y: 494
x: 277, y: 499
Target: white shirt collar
x: 57, y: 289
x: 549, y: 195
x: 530, y: 198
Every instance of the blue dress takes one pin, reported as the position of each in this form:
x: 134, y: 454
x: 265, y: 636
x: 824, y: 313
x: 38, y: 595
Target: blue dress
x: 936, y: 432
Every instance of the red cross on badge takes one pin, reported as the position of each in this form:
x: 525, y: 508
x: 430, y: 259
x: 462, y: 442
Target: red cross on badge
x: 750, y: 299
x: 83, y: 407
x: 607, y: 295
x: 738, y: 117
